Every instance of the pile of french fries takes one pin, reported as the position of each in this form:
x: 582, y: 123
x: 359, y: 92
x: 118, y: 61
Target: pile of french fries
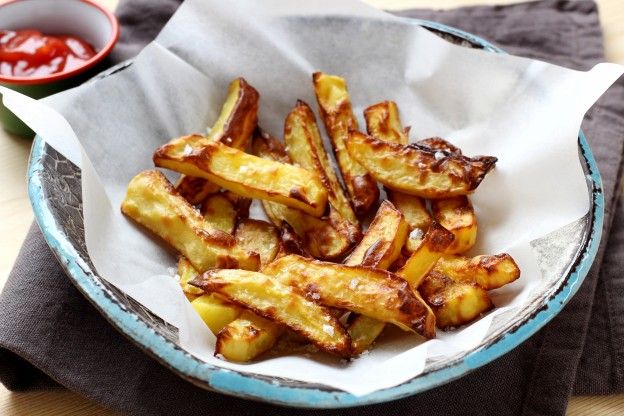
x: 312, y: 275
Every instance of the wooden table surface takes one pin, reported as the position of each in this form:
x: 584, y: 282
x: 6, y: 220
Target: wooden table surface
x: 17, y: 216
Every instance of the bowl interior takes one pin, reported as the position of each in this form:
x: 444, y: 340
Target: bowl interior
x: 73, y: 17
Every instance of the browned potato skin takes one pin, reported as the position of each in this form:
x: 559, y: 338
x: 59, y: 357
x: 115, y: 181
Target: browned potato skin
x: 383, y: 123
x: 262, y: 179
x: 258, y: 236
x: 234, y: 127
x: 187, y: 272
x: 290, y: 243
x: 487, y: 271
x: 438, y: 143
x: 416, y: 171
x: 278, y: 302
x: 324, y: 238
x: 152, y: 202
x: 339, y: 120
x: 377, y: 293
x: 454, y: 303
x: 457, y: 215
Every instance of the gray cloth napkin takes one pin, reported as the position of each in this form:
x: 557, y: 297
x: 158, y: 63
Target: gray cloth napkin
x: 51, y: 336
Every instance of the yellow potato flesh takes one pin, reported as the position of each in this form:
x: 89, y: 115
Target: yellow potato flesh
x: 487, y: 271
x: 258, y: 236
x: 215, y: 311
x: 457, y: 215
x: 247, y: 337
x: 383, y: 122
x: 219, y: 212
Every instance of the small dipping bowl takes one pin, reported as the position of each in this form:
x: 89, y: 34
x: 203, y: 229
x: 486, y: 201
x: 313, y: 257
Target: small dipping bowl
x: 83, y: 18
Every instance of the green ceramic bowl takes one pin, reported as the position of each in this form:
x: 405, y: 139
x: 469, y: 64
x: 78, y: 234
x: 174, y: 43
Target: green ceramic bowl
x: 82, y: 18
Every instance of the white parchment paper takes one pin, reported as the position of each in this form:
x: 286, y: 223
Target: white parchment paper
x: 525, y: 112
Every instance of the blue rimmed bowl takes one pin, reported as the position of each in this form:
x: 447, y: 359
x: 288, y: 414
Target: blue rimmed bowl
x: 564, y: 256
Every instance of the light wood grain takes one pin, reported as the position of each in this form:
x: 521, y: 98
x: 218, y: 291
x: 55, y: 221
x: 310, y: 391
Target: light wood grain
x: 16, y: 217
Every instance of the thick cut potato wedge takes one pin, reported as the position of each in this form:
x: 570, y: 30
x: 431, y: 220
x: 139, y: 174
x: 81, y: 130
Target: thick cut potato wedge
x: 454, y: 303
x: 458, y: 216
x: 323, y: 238
x: 238, y: 119
x: 418, y: 171
x: 187, y: 272
x: 305, y: 147
x: 278, y: 302
x: 258, y: 236
x: 424, y: 258
x: 244, y: 174
x: 364, y: 290
x: 383, y: 123
x: 215, y: 311
x: 219, y: 212
x: 487, y: 271
x: 335, y: 108
x: 416, y: 215
x: 247, y: 337
x: 383, y: 241
x: 152, y: 201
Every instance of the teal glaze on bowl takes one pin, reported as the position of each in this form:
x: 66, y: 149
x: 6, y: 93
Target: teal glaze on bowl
x: 54, y: 188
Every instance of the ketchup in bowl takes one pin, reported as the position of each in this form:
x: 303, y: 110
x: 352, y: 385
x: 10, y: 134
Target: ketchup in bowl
x: 29, y: 53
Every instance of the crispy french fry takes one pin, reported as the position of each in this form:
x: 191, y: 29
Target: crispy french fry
x: 383, y: 122
x: 487, y: 271
x: 244, y: 174
x: 364, y: 290
x: 258, y: 236
x: 219, y: 212
x: 322, y: 237
x: 382, y: 242
x: 424, y: 258
x: 247, y: 337
x: 152, y: 201
x: 215, y: 310
x: 335, y: 108
x: 457, y: 215
x: 234, y: 126
x: 187, y: 272
x: 454, y: 303
x: 305, y: 147
x: 275, y: 301
x: 418, y: 171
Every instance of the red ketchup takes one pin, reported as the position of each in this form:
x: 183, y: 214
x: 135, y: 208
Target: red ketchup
x: 29, y: 53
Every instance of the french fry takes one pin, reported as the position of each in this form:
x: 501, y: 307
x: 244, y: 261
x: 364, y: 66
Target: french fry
x: 487, y: 271
x: 364, y: 290
x: 424, y: 258
x: 152, y: 202
x: 219, y: 212
x: 454, y: 303
x: 322, y: 237
x: 457, y: 215
x: 244, y: 174
x: 247, y: 337
x: 215, y: 310
x: 275, y: 301
x: 305, y: 147
x: 335, y: 108
x: 234, y: 126
x: 187, y: 272
x: 258, y: 236
x: 383, y: 123
x: 418, y: 171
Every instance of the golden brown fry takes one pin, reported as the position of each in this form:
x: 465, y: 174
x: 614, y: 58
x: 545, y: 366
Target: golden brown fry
x: 244, y: 174
x: 305, y: 147
x: 187, y: 272
x: 382, y: 242
x: 219, y: 212
x: 416, y: 215
x: 322, y: 238
x: 152, y: 201
x: 234, y: 126
x: 454, y: 303
x: 273, y: 300
x: 364, y: 290
x: 335, y: 108
x: 215, y: 310
x: 418, y: 171
x: 383, y: 123
x: 424, y: 258
x: 247, y: 337
x: 457, y: 215
x: 487, y: 271
x: 258, y: 236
